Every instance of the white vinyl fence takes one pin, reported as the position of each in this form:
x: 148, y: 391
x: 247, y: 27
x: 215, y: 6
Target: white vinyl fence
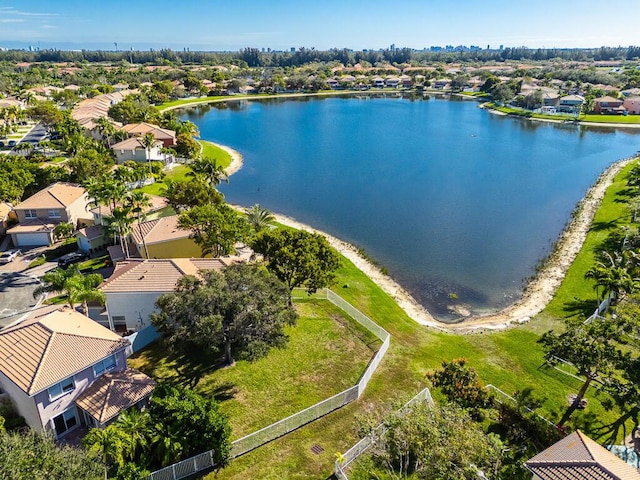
x: 254, y: 440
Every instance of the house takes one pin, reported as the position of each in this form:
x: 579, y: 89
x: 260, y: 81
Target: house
x: 133, y: 149
x: 333, y: 84
x: 608, y: 105
x: 39, y: 214
x: 441, y: 83
x: 161, y: 238
x: 632, y: 105
x: 570, y: 104
x: 406, y: 81
x: 377, y: 82
x: 62, y: 370
x: 166, y: 136
x: 577, y: 456
x: 392, y: 82
x: 92, y: 239
x: 136, y: 284
x: 5, y: 210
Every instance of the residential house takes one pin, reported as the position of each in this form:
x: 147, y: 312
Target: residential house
x: 333, y: 84
x: 63, y: 370
x: 39, y: 214
x: 377, y: 82
x: 392, y: 82
x: 5, y: 210
x: 631, y: 92
x: 92, y: 239
x: 136, y: 284
x: 577, y: 456
x: 570, y: 104
x: 161, y: 238
x: 632, y: 105
x: 11, y: 102
x: 133, y: 149
x: 406, y: 81
x: 608, y: 105
x: 441, y: 83
x: 166, y: 136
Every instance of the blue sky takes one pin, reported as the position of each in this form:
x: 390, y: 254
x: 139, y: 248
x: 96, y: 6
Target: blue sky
x: 281, y: 24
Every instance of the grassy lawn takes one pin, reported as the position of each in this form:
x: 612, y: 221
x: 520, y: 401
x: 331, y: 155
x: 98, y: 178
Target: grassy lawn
x: 511, y: 360
x: 176, y: 173
x: 213, y: 151
x: 94, y: 264
x: 327, y: 353
x: 577, y: 295
x: 622, y: 119
x: 628, y: 119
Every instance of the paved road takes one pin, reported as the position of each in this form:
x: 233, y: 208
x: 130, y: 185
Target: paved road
x: 16, y: 296
x: 35, y: 135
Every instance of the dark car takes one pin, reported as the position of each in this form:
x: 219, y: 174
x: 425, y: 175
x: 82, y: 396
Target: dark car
x: 71, y: 258
x: 12, y: 143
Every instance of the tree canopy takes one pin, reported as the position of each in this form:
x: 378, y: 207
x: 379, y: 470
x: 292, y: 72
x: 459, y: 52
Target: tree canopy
x: 215, y: 228
x: 241, y: 311
x: 30, y: 455
x: 298, y: 258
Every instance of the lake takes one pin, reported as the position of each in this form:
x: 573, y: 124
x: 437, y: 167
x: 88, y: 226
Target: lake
x: 452, y: 200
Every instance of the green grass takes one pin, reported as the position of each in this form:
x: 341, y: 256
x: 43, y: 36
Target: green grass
x: 576, y: 294
x: 37, y: 262
x: 95, y: 263
x: 211, y: 150
x: 177, y: 173
x: 624, y: 119
x: 327, y: 353
x: 621, y: 119
x: 510, y: 360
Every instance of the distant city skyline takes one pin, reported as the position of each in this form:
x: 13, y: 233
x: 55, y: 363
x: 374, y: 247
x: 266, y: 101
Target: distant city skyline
x: 285, y: 24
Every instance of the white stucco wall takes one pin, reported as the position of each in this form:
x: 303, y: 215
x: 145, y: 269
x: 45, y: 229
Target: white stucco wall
x: 135, y: 307
x: 24, y: 404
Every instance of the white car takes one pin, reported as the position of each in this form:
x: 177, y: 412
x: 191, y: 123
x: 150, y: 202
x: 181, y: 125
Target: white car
x: 9, y: 256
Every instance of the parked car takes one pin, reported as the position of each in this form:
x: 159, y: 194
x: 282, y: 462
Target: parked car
x: 12, y: 143
x: 1, y: 144
x: 9, y: 256
x: 71, y: 258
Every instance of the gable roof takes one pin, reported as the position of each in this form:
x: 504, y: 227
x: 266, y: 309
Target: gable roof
x: 578, y: 457
x: 57, y: 195
x: 607, y: 99
x: 143, y: 127
x: 158, y: 275
x: 159, y: 230
x: 132, y: 143
x: 5, y: 209
x: 114, y: 392
x: 52, y: 344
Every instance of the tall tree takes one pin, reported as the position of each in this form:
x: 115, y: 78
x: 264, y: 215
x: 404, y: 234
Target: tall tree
x: 119, y: 224
x: 138, y: 202
x: 83, y: 289
x: 109, y: 443
x: 184, y: 194
x: 148, y: 141
x: 298, y: 258
x: 434, y: 442
x: 215, y: 228
x: 594, y: 348
x: 241, y: 311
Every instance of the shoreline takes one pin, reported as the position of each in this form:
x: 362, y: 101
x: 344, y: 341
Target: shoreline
x: 536, y: 295
x: 580, y: 123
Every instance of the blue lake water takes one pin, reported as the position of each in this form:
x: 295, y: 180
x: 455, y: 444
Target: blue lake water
x: 448, y: 197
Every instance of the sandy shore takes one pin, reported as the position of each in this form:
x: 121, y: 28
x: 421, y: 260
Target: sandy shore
x: 535, y: 297
x: 236, y: 158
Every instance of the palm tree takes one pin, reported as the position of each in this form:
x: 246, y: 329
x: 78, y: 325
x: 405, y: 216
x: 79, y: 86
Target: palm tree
x: 115, y: 191
x: 259, y: 218
x: 105, y: 128
x: 209, y: 170
x: 148, y: 141
x: 136, y: 427
x: 109, y: 443
x: 98, y: 193
x: 166, y: 444
x: 55, y: 280
x: 138, y: 202
x: 119, y: 224
x: 83, y: 289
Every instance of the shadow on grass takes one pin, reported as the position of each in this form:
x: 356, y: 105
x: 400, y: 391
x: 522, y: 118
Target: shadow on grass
x: 626, y: 194
x: 579, y: 306
x: 608, y: 434
x: 600, y: 226
x: 180, y: 369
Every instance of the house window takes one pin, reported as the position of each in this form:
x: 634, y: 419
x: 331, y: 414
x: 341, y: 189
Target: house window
x: 65, y: 421
x: 54, y: 213
x: 105, y: 365
x: 30, y: 214
x: 65, y: 386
